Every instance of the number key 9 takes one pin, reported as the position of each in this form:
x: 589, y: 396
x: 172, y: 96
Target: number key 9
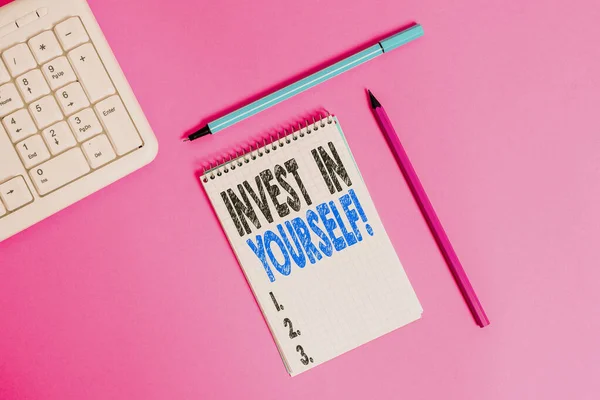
x: 59, y: 72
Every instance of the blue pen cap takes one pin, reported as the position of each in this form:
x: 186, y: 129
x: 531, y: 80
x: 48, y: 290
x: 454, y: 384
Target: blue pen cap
x: 399, y: 39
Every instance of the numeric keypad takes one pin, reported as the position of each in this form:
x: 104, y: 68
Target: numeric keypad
x: 54, y: 93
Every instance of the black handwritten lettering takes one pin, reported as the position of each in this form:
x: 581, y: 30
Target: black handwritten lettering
x: 262, y: 201
x: 334, y: 168
x: 244, y: 209
x: 273, y: 190
x: 232, y: 213
x: 293, y: 199
x: 323, y: 170
x: 292, y: 168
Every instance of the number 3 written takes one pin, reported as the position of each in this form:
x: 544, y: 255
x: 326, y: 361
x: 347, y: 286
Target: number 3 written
x: 305, y: 358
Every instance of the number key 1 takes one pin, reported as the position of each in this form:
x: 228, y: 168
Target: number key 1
x: 33, y: 151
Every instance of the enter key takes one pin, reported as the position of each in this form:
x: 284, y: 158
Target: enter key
x: 121, y: 130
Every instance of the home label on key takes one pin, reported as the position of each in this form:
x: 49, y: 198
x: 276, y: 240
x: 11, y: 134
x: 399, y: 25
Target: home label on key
x: 9, y: 99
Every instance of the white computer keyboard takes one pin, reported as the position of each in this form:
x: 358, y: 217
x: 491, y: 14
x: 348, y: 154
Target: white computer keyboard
x: 70, y: 123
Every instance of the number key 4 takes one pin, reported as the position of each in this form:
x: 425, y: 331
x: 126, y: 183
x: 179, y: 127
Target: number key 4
x: 19, y: 125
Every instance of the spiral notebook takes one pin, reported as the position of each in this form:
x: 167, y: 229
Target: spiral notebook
x: 309, y: 240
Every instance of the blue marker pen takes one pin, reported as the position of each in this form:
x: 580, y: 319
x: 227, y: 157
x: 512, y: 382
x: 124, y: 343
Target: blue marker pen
x: 386, y: 45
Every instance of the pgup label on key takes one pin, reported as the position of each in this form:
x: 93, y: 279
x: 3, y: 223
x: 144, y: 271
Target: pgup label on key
x: 58, y: 72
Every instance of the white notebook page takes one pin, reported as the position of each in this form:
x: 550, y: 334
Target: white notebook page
x: 310, y: 242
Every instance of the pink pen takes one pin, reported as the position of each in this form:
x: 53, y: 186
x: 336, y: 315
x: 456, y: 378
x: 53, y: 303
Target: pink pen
x: 429, y: 214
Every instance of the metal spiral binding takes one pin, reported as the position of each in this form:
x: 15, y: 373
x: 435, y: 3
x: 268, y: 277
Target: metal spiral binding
x: 269, y: 143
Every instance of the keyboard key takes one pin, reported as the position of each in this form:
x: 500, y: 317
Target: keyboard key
x: 59, y: 138
x: 98, y: 151
x: 45, y: 47
x: 59, y: 72
x: 32, y: 85
x: 9, y: 99
x: 10, y: 162
x: 45, y: 112
x: 33, y: 151
x: 118, y: 125
x: 72, y: 98
x: 71, y: 33
x: 4, y: 75
x: 85, y: 124
x: 91, y: 72
x: 2, y: 209
x: 7, y: 29
x: 27, y: 19
x: 19, y: 125
x: 59, y: 171
x: 19, y: 59
x: 15, y: 193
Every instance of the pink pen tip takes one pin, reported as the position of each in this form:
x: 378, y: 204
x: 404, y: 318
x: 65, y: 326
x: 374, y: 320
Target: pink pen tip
x: 374, y: 102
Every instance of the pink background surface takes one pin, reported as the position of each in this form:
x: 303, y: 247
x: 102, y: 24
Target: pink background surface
x: 134, y: 292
